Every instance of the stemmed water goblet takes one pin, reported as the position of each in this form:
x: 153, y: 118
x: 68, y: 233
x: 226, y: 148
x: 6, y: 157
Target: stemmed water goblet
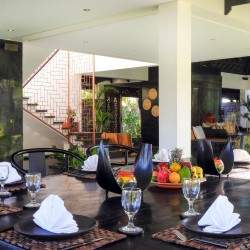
x: 4, y: 174
x: 33, y: 184
x: 126, y: 179
x: 131, y: 202
x: 191, y: 190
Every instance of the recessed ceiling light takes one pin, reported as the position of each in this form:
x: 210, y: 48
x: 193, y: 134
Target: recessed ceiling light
x: 86, y: 9
x: 10, y: 30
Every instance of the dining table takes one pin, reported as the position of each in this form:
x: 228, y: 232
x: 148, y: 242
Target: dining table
x: 159, y: 213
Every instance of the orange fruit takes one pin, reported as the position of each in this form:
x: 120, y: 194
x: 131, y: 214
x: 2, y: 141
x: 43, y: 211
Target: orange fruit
x: 175, y: 167
x: 174, y: 177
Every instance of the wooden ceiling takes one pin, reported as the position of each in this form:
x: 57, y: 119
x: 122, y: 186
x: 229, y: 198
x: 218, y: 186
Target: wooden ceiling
x: 240, y: 66
x: 230, y: 3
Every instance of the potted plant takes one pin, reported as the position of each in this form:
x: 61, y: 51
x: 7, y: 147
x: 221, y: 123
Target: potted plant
x: 71, y: 115
x: 103, y: 118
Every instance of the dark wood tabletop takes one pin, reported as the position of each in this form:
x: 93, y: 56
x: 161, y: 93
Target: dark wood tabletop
x: 160, y: 208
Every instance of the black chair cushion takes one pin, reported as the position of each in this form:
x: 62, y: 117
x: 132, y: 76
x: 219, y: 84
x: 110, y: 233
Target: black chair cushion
x: 216, y: 133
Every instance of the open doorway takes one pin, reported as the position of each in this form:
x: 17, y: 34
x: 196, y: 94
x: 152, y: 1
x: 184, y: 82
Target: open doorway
x: 131, y: 116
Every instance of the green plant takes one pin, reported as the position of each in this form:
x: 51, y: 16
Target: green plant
x: 246, y: 103
x: 71, y: 113
x: 131, y: 120
x: 103, y: 118
x: 73, y: 162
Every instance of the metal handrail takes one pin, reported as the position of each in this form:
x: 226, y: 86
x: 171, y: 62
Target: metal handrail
x: 41, y: 67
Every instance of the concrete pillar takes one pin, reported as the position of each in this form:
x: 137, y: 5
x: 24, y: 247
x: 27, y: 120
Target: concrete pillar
x: 175, y: 76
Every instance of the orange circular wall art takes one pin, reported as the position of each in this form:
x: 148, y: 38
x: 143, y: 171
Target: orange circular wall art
x: 152, y: 94
x: 155, y: 111
x: 146, y: 104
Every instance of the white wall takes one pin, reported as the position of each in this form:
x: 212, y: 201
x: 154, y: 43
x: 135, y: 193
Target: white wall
x: 233, y: 81
x: 38, y: 135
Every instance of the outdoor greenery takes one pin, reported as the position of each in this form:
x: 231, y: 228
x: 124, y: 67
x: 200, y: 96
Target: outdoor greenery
x: 246, y: 103
x: 131, y: 118
x: 103, y: 118
x: 73, y: 162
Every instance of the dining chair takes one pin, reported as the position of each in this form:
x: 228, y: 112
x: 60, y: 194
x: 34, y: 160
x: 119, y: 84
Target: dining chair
x: 205, y: 157
x: 142, y: 169
x: 37, y: 159
x: 119, y: 155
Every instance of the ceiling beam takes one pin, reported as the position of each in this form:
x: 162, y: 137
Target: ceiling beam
x: 229, y: 3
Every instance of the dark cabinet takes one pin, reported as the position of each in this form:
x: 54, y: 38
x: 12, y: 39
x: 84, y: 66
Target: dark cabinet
x: 206, y: 97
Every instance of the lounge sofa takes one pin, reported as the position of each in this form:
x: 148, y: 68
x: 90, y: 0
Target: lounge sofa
x: 217, y: 136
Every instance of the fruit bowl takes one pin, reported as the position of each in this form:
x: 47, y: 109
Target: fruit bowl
x: 171, y: 185
x: 167, y: 185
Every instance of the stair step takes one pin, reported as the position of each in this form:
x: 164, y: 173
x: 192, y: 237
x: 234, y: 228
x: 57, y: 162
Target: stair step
x: 41, y: 110
x: 49, y: 116
x: 58, y: 122
x: 32, y: 104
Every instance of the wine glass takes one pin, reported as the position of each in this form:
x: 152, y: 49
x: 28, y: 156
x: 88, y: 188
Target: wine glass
x: 4, y: 174
x: 33, y: 184
x: 191, y: 189
x: 131, y: 202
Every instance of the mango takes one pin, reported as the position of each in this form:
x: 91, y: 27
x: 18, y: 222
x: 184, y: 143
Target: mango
x: 184, y: 173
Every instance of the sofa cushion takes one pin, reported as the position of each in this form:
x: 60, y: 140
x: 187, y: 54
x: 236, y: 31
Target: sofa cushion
x: 199, y: 133
x: 215, y: 133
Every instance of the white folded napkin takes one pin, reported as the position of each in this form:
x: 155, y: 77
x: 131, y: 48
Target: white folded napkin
x: 91, y: 163
x: 162, y: 155
x: 54, y: 217
x: 241, y: 155
x: 219, y: 217
x: 13, y: 175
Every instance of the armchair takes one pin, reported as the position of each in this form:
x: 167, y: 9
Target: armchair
x: 143, y: 168
x: 205, y: 157
x: 37, y: 159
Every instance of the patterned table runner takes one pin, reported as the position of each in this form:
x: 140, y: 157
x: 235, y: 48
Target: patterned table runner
x: 16, y: 239
x: 6, y: 209
x: 81, y: 175
x: 168, y: 236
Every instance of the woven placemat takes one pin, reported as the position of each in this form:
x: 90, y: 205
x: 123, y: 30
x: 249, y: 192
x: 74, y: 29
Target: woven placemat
x: 16, y: 239
x: 6, y: 209
x: 168, y: 236
x: 16, y: 188
x: 81, y: 175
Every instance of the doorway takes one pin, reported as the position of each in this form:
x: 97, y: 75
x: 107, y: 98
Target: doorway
x: 131, y: 116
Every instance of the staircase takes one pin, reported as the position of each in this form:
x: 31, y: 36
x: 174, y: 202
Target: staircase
x: 56, y: 88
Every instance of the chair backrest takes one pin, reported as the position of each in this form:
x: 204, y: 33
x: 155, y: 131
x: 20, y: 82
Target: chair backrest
x: 143, y: 169
x: 227, y: 157
x: 37, y: 159
x: 115, y: 151
x: 205, y: 157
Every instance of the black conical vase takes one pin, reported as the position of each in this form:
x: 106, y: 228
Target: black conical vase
x: 143, y: 169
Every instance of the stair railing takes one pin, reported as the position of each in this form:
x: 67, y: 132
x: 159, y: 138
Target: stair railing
x: 52, y: 90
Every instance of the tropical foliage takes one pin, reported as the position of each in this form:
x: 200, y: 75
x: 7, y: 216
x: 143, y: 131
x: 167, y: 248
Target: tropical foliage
x: 131, y: 118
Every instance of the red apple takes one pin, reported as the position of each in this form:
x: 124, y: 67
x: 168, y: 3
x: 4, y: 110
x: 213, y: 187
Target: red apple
x: 187, y: 164
x: 162, y: 165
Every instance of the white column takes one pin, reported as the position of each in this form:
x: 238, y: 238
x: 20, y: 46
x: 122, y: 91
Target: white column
x: 175, y: 76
